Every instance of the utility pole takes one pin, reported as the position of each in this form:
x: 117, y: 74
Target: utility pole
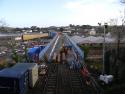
x: 105, y: 27
x: 103, y: 52
x: 119, y: 34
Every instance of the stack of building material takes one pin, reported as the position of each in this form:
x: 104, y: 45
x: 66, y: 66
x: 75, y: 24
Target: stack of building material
x: 58, y: 58
x: 54, y: 57
x: 63, y: 57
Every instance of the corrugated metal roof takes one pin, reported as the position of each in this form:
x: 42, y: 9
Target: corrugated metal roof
x: 92, y: 39
x: 17, y: 70
x: 12, y: 73
x: 24, y: 65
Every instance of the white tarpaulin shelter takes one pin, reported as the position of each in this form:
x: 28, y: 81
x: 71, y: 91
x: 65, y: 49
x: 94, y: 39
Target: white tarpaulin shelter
x: 91, y: 39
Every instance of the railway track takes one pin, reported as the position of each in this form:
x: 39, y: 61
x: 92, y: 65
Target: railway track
x: 62, y: 80
x: 51, y: 80
x: 77, y: 82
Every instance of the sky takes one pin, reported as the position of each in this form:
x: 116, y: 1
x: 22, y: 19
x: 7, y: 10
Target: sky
x: 42, y: 13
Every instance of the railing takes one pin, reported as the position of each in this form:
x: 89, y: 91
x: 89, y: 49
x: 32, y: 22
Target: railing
x: 76, y: 49
x: 45, y: 53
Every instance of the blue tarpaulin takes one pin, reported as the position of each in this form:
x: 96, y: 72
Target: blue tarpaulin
x: 35, y: 51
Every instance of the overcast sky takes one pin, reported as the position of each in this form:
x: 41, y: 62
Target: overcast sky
x: 58, y: 12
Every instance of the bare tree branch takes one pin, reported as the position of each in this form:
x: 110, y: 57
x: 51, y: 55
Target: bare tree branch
x: 122, y: 1
x: 3, y: 23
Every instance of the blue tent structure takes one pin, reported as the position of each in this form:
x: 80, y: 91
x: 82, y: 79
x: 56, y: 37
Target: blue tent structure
x: 35, y: 51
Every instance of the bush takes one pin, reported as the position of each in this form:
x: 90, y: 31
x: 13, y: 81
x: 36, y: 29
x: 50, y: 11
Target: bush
x: 85, y: 48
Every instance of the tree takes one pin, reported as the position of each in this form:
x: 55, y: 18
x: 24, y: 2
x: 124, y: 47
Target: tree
x: 122, y: 1
x: 86, y: 27
x: 86, y: 50
x: 71, y: 25
x: 15, y: 56
x: 118, y: 33
x: 25, y: 55
x: 61, y: 29
x: 3, y: 25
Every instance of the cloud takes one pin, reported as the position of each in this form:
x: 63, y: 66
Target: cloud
x: 89, y: 12
x: 77, y: 4
x: 74, y: 5
x: 113, y: 1
x: 81, y: 3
